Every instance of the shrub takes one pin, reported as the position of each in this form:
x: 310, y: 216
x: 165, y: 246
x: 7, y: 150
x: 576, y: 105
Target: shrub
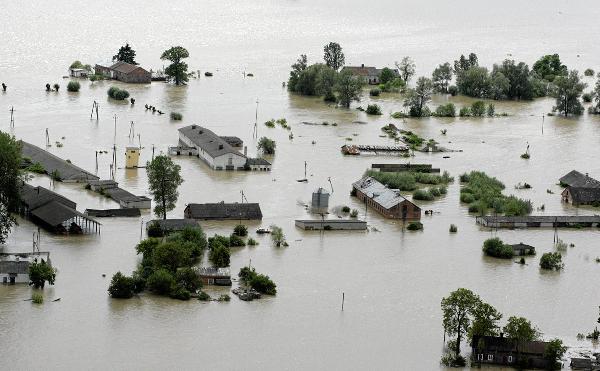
x: 496, y: 248
x: 373, y: 109
x: 415, y: 226
x: 111, y: 91
x: 36, y: 168
x: 270, y: 123
x: 374, y: 92
x: 446, y: 110
x: 180, y: 293
x: 37, y: 298
x: 252, y: 242
x: 73, y: 86
x: 224, y: 297
x: 258, y: 282
x: 202, y: 296
x: 267, y: 145
x: 188, y: 279
x: 453, y: 228
x: 121, y: 286
x: 171, y: 255
x: 217, y: 240
x: 240, y: 230
x: 491, y: 110
x: 345, y: 209
x: 176, y: 116
x: 236, y: 241
x: 154, y: 230
x: 587, y: 97
x: 525, y: 156
x: 464, y: 112
x: 588, y: 72
x: 161, y: 282
x: 40, y: 273
x: 453, y: 90
x: 423, y: 195
x: 400, y: 115
x: 220, y: 256
x: 551, y: 261
x: 435, y: 191
x: 117, y: 94
x: 478, y: 108
x: 354, y: 213
x: 483, y: 192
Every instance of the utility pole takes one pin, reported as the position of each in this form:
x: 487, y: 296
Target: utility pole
x: 95, y: 106
x: 12, y: 116
x: 47, y: 138
x: 255, y: 132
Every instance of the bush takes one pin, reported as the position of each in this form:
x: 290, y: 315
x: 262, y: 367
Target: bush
x: 587, y: 97
x: 154, y: 230
x: 453, y: 90
x: 267, y: 145
x: 117, y: 94
x: 589, y: 72
x: 374, y: 92
x: 121, y: 286
x: 400, y: 115
x: 111, y: 91
x: 373, y: 109
x: 73, y: 86
x: 37, y: 298
x: 176, y: 116
x: 491, y: 110
x: 345, y: 209
x: 551, y: 261
x: 258, y: 282
x: 423, y: 195
x: 236, y: 241
x: 217, y: 240
x: 180, y: 293
x: 252, y: 242
x: 40, y: 273
x: 188, y: 279
x: 171, y: 255
x: 161, y: 282
x: 202, y: 296
x: 240, y: 230
x: 224, y: 297
x: 446, y: 110
x: 415, y: 226
x: 478, y: 108
x: 354, y: 213
x: 483, y: 192
x: 464, y: 112
x: 496, y: 248
x: 36, y: 168
x: 220, y: 256
x: 453, y: 228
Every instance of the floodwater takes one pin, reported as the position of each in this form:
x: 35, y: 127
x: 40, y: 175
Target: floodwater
x: 393, y: 279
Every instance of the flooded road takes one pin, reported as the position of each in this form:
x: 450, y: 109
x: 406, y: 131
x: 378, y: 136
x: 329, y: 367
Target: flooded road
x: 393, y: 279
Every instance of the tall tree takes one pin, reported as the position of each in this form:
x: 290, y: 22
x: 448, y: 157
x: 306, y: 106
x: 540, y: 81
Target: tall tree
x: 521, y: 330
x: 417, y: 98
x: 550, y: 66
x: 464, y: 63
x: 386, y: 75
x: 178, y: 68
x: 333, y: 55
x: 485, y: 320
x: 520, y: 86
x: 441, y: 78
x: 163, y: 180
x: 596, y: 108
x: 125, y: 54
x: 297, y: 69
x: 40, y: 272
x: 567, y: 90
x: 406, y: 68
x: 554, y: 352
x: 10, y: 182
x: 348, y: 88
x: 457, y: 311
x: 474, y: 82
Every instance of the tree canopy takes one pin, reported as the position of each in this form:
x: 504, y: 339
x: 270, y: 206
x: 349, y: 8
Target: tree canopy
x: 416, y: 99
x: 178, y: 68
x: 567, y: 89
x: 40, y: 273
x: 549, y: 66
x: 521, y: 329
x: 407, y: 68
x: 163, y: 178
x: 457, y: 309
x: 334, y: 56
x: 441, y: 77
x: 125, y: 54
x: 10, y: 182
x: 348, y: 87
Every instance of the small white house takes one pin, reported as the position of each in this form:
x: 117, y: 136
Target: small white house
x: 78, y: 72
x: 14, y: 267
x: 214, y: 150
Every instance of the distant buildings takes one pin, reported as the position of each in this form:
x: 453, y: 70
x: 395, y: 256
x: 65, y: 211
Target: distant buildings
x: 223, y: 211
x: 217, y: 152
x: 78, y: 72
x: 14, y: 267
x: 125, y: 72
x: 388, y: 202
x: 498, y: 350
x: 580, y: 189
x: 370, y: 75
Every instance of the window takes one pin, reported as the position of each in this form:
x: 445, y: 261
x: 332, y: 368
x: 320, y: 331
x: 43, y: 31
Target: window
x: 509, y: 359
x: 490, y: 357
x: 480, y: 357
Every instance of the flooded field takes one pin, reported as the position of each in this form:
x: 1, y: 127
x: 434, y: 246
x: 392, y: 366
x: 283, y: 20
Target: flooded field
x: 393, y: 279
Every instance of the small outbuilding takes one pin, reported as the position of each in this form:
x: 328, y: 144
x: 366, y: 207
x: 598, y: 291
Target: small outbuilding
x: 388, y: 202
x: 521, y: 249
x: 223, y: 211
x: 125, y: 72
x: 215, y: 276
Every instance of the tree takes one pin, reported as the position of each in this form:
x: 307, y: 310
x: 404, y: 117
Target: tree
x: 121, y: 286
x: 520, y: 86
x: 170, y: 256
x: 40, y: 272
x: 520, y: 330
x: 161, y: 281
x: 297, y: 68
x: 457, y: 311
x: 240, y: 230
x: 348, y: 88
x: 333, y: 56
x: 386, y: 75
x: 596, y: 108
x: 567, y: 90
x: 188, y: 279
x: 463, y: 64
x: 554, y: 352
x: 441, y: 78
x: 220, y: 256
x: 267, y: 145
x: 474, y: 82
x: 277, y: 236
x: 551, y: 261
x: 177, y: 69
x: 406, y: 68
x: 417, y: 98
x: 485, y: 320
x: 499, y: 85
x: 326, y: 78
x: 163, y: 181
x: 549, y: 66
x: 125, y: 54
x: 10, y: 182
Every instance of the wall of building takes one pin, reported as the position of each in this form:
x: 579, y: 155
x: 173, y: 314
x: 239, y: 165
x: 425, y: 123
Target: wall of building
x: 396, y: 212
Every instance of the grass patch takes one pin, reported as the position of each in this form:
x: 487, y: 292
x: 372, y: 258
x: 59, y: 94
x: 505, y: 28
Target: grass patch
x: 483, y: 193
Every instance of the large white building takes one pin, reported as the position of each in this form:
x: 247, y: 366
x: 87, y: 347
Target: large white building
x: 214, y: 150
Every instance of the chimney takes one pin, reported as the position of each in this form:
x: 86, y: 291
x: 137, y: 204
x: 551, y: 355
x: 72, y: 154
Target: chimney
x: 193, y: 126
x: 245, y: 150
x: 362, y: 65
x: 220, y: 146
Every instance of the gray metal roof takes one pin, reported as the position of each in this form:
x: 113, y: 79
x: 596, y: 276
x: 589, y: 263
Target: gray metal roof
x: 119, y: 194
x: 584, y: 194
x: 576, y: 179
x: 258, y: 161
x: 51, y: 163
x: 381, y: 194
x: 222, y: 210
x: 210, y: 142
x: 55, y: 213
x: 34, y: 197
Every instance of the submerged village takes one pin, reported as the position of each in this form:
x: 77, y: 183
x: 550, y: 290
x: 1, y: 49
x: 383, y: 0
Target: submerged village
x: 190, y: 238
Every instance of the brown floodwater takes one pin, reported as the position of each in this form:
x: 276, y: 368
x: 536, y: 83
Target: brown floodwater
x: 393, y: 279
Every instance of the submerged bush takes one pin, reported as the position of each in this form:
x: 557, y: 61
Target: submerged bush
x: 373, y: 109
x: 551, y: 261
x: 374, y: 92
x: 121, y: 286
x: 453, y: 228
x: 176, y: 116
x: 423, y: 195
x: 496, y: 248
x: 415, y: 226
x: 73, y: 86
x: 117, y: 94
x: 446, y: 110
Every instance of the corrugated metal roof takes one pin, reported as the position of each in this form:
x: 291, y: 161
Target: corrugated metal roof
x: 384, y: 196
x: 222, y: 210
x: 51, y: 163
x: 124, y: 67
x: 210, y: 142
x: 55, y: 213
x: 576, y: 179
x: 34, y: 197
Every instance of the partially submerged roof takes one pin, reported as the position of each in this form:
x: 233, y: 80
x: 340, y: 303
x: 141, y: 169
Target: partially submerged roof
x: 224, y: 210
x: 214, y: 272
x: 381, y: 194
x: 119, y: 194
x: 106, y: 213
x: 576, y: 179
x: 503, y: 344
x: 233, y: 141
x: 210, y: 142
x: 55, y: 213
x: 65, y: 170
x: 258, y: 162
x: 173, y: 225
x: 124, y: 67
x: 34, y: 197
x: 521, y: 247
x: 584, y: 194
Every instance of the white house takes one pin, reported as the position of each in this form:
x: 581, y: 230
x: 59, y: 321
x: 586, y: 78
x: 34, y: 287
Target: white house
x: 14, y: 267
x: 211, y: 148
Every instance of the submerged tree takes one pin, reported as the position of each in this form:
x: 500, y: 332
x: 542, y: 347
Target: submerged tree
x: 549, y: 66
x: 333, y: 56
x: 417, y: 98
x: 521, y: 330
x: 567, y: 90
x: 10, y: 182
x: 163, y: 178
x: 485, y: 320
x: 441, y: 78
x: 178, y: 68
x: 348, y: 88
x: 406, y: 68
x: 457, y: 311
x: 125, y: 54
x: 554, y: 352
x: 40, y: 273
x: 277, y: 236
x: 297, y: 69
x: 267, y: 145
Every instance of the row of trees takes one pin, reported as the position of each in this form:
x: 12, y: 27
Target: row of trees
x: 465, y: 315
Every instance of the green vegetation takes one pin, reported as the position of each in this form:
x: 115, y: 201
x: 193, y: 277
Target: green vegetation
x: 407, y: 181
x: 407, y: 68
x: 345, y: 209
x: 277, y: 236
x: 465, y: 112
x: 125, y: 54
x: 482, y: 193
x: 587, y: 97
x: 429, y: 194
x: 496, y: 248
x: 551, y: 261
x: 478, y: 108
x: 36, y: 167
x: 453, y: 228
x: 333, y: 56
x: 441, y: 78
x: 240, y: 230
x: 373, y: 109
x: 163, y: 180
x: 121, y: 286
x: 270, y: 123
x: 40, y: 273
x: 348, y: 88
x: 267, y: 145
x: 176, y: 116
x: 416, y: 99
x: 589, y: 72
x: 549, y: 66
x: 219, y: 251
x: 117, y: 94
x: 554, y: 352
x: 96, y: 77
x: 236, y: 241
x: 445, y: 110
x: 252, y: 242
x: 37, y: 298
x: 415, y: 226
x: 457, y: 311
x: 354, y: 213
x: 202, y: 296
x: 177, y: 70
x: 374, y: 92
x: 257, y: 281
x: 73, y: 86
x: 567, y: 89
x: 78, y: 64
x: 154, y: 230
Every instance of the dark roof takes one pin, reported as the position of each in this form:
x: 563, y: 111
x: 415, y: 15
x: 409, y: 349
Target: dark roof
x: 584, y: 363
x: 258, y: 161
x: 362, y: 70
x: 521, y: 246
x: 34, y: 197
x: 233, y: 141
x: 14, y: 267
x: 584, y: 194
x: 210, y: 142
x: 173, y: 225
x: 127, y: 212
x: 124, y: 67
x: 55, y: 213
x: 576, y: 179
x: 222, y: 210
x: 119, y: 194
x: 50, y: 162
x: 214, y: 272
x: 503, y: 344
